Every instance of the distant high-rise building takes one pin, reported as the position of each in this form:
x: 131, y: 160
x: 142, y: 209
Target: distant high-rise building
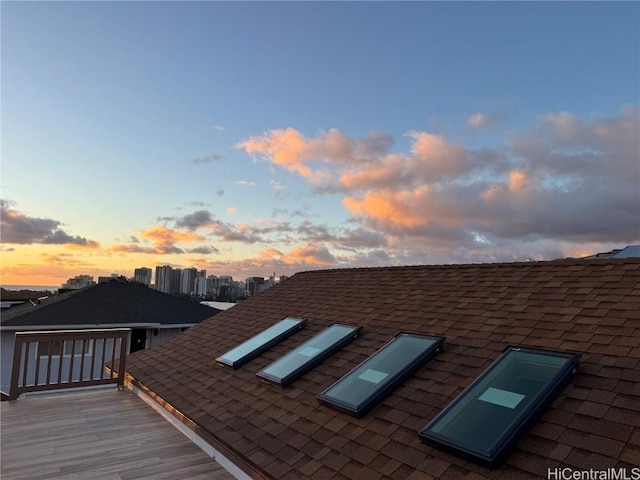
x: 253, y: 285
x: 224, y: 281
x: 200, y: 288
x: 174, y: 281
x: 79, y: 281
x: 188, y: 280
x: 114, y: 276
x: 142, y: 275
x: 224, y: 285
x: 212, y: 284
x: 163, y: 279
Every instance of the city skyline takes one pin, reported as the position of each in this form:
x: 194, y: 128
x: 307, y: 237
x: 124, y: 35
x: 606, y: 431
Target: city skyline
x: 251, y: 138
x: 148, y: 276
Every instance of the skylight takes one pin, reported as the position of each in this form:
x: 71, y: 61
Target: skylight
x: 361, y: 389
x: 309, y: 354
x: 263, y: 341
x: 487, y: 419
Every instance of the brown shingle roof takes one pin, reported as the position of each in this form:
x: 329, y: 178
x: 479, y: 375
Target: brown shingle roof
x: 591, y: 307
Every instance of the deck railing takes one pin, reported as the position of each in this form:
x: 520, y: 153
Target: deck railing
x: 67, y: 359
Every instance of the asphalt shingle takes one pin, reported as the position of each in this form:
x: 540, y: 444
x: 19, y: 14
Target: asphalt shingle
x: 589, y: 307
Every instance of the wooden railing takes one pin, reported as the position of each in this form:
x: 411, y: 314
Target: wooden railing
x: 67, y: 359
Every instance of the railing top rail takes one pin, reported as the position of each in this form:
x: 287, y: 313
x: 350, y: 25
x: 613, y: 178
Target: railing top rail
x: 89, y: 332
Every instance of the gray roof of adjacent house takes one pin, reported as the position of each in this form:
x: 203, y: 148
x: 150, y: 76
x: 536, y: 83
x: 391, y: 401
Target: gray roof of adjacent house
x: 628, y: 252
x: 107, y: 304
x: 632, y: 251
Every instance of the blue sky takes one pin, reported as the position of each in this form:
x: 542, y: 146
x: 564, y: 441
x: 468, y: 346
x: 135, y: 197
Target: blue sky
x: 289, y: 136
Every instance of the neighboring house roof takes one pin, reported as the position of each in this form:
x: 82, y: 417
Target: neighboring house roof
x: 626, y: 252
x: 105, y: 304
x: 219, y: 305
x: 590, y: 307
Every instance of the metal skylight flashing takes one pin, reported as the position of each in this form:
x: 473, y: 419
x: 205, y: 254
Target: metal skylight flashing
x: 367, y: 384
x: 303, y: 358
x: 485, y: 421
x: 263, y: 341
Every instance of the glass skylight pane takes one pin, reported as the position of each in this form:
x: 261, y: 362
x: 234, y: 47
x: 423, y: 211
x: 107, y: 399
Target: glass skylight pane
x: 491, y: 415
x: 367, y: 384
x: 263, y: 341
x: 306, y: 356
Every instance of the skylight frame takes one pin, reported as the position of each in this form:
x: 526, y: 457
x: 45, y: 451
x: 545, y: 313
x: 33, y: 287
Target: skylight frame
x: 522, y: 421
x: 284, y: 380
x: 386, y: 385
x: 274, y: 340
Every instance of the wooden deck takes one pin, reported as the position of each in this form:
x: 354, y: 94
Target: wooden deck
x: 98, y: 434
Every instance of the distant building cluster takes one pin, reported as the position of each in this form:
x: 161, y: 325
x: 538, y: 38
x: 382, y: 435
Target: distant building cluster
x: 186, y: 281
x: 78, y: 282
x: 196, y: 283
x: 143, y: 275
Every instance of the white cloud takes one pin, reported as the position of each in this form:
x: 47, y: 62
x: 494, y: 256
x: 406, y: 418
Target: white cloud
x: 477, y: 120
x: 277, y: 186
x: 481, y: 120
x: 208, y: 159
x: 245, y: 183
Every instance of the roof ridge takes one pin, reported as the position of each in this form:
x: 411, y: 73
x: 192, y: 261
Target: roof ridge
x: 523, y: 263
x: 24, y: 309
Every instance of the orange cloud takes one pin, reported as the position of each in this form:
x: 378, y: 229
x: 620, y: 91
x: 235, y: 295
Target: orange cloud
x: 306, y: 255
x: 63, y: 259
x: 166, y: 235
x: 516, y: 189
x: 398, y: 209
x: 522, y: 190
x: 310, y: 255
x: 436, y: 157
x: 286, y: 148
x: 164, y: 240
x: 491, y: 193
x: 333, y: 146
x: 133, y: 248
x: 270, y: 253
x: 391, y: 170
x: 432, y: 160
x: 311, y: 157
x: 517, y: 180
x: 437, y: 192
x: 89, y: 244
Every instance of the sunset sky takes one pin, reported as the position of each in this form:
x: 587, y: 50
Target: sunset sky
x: 251, y: 138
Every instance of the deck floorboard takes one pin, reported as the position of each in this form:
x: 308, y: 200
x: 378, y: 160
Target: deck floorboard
x: 96, y: 434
